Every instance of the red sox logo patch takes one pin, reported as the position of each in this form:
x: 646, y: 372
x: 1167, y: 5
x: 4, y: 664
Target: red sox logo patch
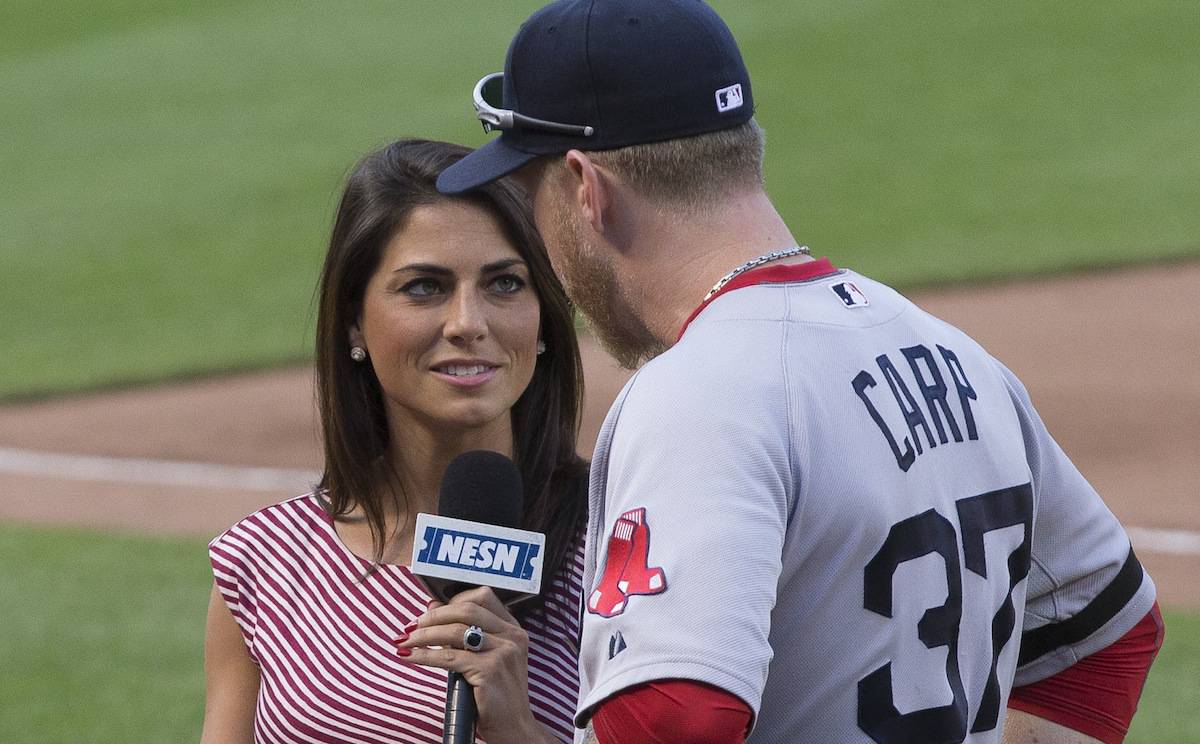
x: 627, y: 568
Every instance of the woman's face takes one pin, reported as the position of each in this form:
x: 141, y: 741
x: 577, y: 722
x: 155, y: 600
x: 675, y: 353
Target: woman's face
x: 450, y: 321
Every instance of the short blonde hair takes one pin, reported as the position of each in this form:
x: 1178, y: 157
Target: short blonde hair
x: 691, y: 172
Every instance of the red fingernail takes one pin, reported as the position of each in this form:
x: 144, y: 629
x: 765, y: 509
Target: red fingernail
x: 401, y: 639
x: 410, y: 627
x: 404, y: 652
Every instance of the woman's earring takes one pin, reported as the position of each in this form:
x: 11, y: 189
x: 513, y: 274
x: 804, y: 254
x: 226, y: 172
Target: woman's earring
x: 541, y: 347
x: 358, y: 353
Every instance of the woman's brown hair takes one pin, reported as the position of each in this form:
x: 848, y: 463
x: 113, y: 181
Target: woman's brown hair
x: 379, y: 195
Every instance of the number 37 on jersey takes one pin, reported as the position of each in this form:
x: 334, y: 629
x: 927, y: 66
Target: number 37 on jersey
x: 915, y: 675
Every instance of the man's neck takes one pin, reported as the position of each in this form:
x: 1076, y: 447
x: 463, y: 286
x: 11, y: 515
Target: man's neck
x: 684, y: 256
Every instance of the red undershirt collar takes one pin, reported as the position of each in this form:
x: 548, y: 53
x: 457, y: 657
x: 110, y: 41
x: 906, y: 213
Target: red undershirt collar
x: 779, y: 274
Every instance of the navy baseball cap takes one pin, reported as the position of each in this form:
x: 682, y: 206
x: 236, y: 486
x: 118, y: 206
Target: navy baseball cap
x: 603, y: 74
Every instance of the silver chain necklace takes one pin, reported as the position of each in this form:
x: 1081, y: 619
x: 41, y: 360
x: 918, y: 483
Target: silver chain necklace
x: 755, y: 263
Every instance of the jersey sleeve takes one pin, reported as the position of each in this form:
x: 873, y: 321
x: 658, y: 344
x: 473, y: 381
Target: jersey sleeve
x: 1099, y: 695
x: 671, y: 711
x: 233, y: 571
x: 1086, y: 587
x: 688, y: 533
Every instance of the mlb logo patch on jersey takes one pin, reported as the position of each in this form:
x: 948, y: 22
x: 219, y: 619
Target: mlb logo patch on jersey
x: 849, y: 294
x: 627, y: 569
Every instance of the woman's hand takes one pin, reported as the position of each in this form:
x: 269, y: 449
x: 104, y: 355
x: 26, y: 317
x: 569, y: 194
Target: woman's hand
x: 499, y: 671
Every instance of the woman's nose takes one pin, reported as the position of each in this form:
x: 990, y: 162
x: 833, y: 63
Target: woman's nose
x: 466, y: 318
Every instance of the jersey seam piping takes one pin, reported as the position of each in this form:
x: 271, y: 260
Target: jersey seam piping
x: 1056, y: 615
x: 798, y: 321
x: 797, y: 483
x: 595, y: 527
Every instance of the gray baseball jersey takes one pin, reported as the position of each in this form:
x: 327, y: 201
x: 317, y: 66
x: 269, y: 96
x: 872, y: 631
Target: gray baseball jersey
x: 843, y: 511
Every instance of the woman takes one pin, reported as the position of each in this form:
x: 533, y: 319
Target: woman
x: 441, y: 329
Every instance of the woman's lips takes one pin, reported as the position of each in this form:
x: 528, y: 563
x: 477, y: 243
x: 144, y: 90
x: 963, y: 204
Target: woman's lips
x: 466, y: 375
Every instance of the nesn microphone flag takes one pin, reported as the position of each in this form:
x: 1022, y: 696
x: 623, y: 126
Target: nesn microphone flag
x: 480, y: 554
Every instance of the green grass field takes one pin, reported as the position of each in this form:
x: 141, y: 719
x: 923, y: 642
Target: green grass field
x: 169, y: 169
x: 103, y: 643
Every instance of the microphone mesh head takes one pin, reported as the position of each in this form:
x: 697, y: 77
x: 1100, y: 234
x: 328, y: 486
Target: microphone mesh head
x: 482, y: 486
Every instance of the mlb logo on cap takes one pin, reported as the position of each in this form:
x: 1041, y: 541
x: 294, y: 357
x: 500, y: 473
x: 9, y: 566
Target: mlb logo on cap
x: 729, y: 98
x: 850, y: 295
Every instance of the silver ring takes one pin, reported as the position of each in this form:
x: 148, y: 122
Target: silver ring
x: 473, y: 638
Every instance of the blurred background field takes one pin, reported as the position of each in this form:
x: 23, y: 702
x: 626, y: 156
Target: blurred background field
x: 168, y: 172
x: 169, y: 169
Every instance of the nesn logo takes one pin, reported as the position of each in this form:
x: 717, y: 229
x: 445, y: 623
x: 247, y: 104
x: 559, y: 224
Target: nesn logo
x: 850, y: 295
x: 729, y: 98
x: 474, y: 552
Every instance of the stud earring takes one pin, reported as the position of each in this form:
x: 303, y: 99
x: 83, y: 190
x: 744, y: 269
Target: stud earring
x: 358, y: 353
x: 541, y: 347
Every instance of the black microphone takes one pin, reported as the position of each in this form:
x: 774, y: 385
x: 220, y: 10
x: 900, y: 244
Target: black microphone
x: 481, y: 487
x: 484, y: 490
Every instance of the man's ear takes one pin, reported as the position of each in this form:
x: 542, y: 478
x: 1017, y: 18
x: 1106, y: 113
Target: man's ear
x: 591, y: 188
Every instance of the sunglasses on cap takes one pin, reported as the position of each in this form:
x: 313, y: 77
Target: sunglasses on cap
x: 489, y: 94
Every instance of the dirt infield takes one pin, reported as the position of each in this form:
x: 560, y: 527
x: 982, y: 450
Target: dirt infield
x: 1111, y: 359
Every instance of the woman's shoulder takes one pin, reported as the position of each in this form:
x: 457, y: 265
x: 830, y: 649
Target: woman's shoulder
x: 300, y: 510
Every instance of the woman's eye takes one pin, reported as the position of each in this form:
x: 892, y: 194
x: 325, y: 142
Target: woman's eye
x: 421, y: 288
x: 508, y: 283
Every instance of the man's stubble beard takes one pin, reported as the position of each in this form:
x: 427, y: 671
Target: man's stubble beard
x: 591, y: 283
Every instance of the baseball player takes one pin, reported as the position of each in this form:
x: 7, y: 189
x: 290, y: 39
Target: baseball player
x: 819, y: 514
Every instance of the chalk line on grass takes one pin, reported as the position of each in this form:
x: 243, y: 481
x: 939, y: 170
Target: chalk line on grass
x: 154, y: 472
x: 291, y: 480
x: 1176, y: 542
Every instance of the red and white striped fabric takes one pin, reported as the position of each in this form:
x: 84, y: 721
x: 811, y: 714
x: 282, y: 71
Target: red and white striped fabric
x: 322, y: 636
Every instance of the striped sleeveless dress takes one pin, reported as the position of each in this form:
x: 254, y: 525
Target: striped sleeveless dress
x: 322, y: 636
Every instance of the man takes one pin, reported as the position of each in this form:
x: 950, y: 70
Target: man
x: 818, y: 513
